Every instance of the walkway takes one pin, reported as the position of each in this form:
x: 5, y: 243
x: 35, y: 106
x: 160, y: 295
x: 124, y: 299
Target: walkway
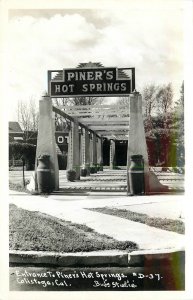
x: 74, y: 209
x: 106, y: 181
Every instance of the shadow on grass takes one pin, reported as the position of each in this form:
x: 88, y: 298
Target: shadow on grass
x: 32, y: 230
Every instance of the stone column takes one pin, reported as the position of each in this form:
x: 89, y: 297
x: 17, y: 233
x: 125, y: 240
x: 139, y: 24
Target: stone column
x: 74, y: 148
x: 112, y: 154
x: 85, y: 150
x: 136, y: 139
x: 46, y: 143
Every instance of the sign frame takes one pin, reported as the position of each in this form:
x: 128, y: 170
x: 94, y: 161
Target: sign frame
x: 124, y: 94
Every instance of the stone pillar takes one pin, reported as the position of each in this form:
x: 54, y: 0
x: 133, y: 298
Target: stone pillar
x: 74, y: 148
x: 136, y: 139
x: 46, y: 143
x: 85, y: 150
x: 112, y: 154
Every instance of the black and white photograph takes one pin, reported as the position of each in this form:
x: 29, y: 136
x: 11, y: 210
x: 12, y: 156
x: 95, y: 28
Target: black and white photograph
x: 96, y: 141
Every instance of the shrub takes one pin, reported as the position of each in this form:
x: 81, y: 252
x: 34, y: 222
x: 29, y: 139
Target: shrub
x: 71, y: 175
x: 92, y: 170
x: 83, y: 172
x: 25, y: 150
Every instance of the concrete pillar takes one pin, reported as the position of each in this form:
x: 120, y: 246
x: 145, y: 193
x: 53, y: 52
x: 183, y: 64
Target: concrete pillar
x: 112, y: 154
x: 74, y: 148
x: 91, y: 149
x: 94, y: 150
x: 93, y: 153
x: 136, y: 140
x: 85, y: 150
x: 137, y: 145
x: 46, y: 143
x: 100, y: 152
x: 80, y: 146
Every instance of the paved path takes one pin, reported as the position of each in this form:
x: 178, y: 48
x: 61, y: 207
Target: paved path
x: 108, y: 180
x: 73, y: 208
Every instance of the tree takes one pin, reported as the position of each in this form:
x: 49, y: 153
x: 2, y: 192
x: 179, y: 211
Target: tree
x: 123, y: 101
x: 164, y: 98
x: 150, y: 93
x: 179, y: 117
x: 179, y: 105
x: 28, y: 117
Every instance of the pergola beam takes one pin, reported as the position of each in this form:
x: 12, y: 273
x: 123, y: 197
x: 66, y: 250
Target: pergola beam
x: 66, y: 116
x: 112, y: 132
x: 109, y: 127
x: 92, y: 107
x: 99, y: 113
x: 113, y: 120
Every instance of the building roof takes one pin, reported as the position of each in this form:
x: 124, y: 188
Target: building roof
x: 14, y: 127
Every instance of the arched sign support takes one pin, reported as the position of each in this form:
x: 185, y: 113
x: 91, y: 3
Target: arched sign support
x: 74, y: 146
x: 46, y: 143
x: 136, y: 139
x: 86, y: 150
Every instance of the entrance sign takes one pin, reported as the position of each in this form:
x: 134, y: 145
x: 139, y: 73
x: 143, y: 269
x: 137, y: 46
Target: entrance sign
x: 91, y: 82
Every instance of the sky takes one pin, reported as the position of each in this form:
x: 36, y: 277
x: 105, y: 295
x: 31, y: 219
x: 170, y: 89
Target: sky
x: 151, y: 40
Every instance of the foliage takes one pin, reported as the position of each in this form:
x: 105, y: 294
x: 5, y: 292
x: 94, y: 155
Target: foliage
x: 150, y: 98
x: 165, y: 97
x: 28, y: 117
x: 93, y: 170
x: 71, y: 175
x: 164, y: 127
x: 23, y: 150
x: 165, y: 140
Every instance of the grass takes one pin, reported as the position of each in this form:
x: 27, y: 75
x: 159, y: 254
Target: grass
x: 165, y: 224
x: 40, y: 232
x: 17, y: 187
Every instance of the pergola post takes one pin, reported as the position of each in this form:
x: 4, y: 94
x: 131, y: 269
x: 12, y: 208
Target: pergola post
x: 46, y: 143
x: 95, y: 151
x: 112, y: 154
x: 91, y: 149
x: 74, y: 148
x: 85, y: 150
x: 100, y: 152
x: 136, y: 139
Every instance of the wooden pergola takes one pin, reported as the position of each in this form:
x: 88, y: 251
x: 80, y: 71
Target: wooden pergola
x: 89, y: 125
x: 110, y: 121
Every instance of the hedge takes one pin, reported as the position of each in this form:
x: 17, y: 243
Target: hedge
x: 18, y: 150
x: 27, y: 151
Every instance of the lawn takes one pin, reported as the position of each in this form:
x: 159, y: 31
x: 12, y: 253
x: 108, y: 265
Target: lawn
x: 17, y: 187
x: 165, y: 224
x: 40, y: 232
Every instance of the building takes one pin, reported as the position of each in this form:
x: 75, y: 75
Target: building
x: 15, y: 132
